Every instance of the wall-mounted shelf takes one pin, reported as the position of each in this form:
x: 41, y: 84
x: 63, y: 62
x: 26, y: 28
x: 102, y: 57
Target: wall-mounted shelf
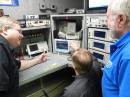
x: 34, y: 28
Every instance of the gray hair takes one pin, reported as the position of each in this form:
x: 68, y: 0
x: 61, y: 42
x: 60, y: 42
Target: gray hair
x: 7, y: 21
x: 120, y: 6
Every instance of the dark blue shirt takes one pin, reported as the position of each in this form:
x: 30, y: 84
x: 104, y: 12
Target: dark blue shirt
x: 9, y: 75
x: 116, y: 74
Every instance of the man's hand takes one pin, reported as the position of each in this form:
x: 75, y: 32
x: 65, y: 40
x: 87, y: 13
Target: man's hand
x: 74, y: 46
x: 41, y: 58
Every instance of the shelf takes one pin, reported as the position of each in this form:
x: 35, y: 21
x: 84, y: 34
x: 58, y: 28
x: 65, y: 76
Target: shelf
x: 68, y: 16
x: 34, y: 28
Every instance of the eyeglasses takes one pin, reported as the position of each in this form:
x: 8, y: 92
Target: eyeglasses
x: 19, y: 30
x: 112, y: 17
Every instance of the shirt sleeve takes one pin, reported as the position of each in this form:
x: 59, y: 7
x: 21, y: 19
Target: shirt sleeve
x: 4, y: 77
x: 18, y: 63
x: 124, y: 78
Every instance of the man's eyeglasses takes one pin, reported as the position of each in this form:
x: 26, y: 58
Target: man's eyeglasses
x: 19, y: 30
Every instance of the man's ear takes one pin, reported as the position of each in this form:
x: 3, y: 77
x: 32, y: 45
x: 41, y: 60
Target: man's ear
x: 75, y: 69
x: 122, y: 21
x: 4, y: 29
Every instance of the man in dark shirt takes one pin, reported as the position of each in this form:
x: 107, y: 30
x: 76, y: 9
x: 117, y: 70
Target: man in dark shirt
x: 87, y: 81
x: 10, y: 38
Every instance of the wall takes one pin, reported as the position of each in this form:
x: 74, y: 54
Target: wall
x: 32, y: 7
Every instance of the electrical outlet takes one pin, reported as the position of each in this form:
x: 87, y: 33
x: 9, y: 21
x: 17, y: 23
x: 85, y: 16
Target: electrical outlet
x: 53, y: 7
x: 42, y: 7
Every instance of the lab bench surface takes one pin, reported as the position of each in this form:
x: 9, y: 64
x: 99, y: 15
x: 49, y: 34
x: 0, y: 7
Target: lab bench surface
x: 54, y: 63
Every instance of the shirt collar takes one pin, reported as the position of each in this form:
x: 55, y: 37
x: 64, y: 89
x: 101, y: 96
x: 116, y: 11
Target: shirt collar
x: 123, y: 40
x: 80, y: 76
x: 84, y: 74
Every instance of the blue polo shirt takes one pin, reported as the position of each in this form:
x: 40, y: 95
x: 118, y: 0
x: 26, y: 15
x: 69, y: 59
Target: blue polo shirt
x: 116, y: 74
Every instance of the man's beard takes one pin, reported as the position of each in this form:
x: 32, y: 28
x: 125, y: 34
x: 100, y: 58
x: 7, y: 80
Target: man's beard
x: 115, y: 34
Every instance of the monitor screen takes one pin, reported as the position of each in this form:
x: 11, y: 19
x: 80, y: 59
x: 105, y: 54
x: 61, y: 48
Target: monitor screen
x: 61, y: 45
x: 98, y: 56
x: 99, y: 34
x: 99, y: 45
x: 98, y: 3
x: 33, y: 47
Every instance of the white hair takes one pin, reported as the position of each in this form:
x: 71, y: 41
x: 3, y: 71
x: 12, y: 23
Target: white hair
x: 7, y: 21
x: 120, y: 6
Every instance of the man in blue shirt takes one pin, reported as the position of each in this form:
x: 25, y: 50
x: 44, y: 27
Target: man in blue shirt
x: 116, y: 74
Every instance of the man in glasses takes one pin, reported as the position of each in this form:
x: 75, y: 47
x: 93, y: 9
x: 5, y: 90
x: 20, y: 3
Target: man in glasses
x: 10, y: 38
x: 116, y: 74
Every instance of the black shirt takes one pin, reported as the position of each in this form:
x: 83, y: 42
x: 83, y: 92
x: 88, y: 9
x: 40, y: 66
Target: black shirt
x: 9, y: 75
x: 85, y: 85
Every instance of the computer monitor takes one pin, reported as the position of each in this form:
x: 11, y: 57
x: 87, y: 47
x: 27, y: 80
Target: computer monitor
x: 97, y: 5
x: 61, y: 46
x: 36, y: 48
